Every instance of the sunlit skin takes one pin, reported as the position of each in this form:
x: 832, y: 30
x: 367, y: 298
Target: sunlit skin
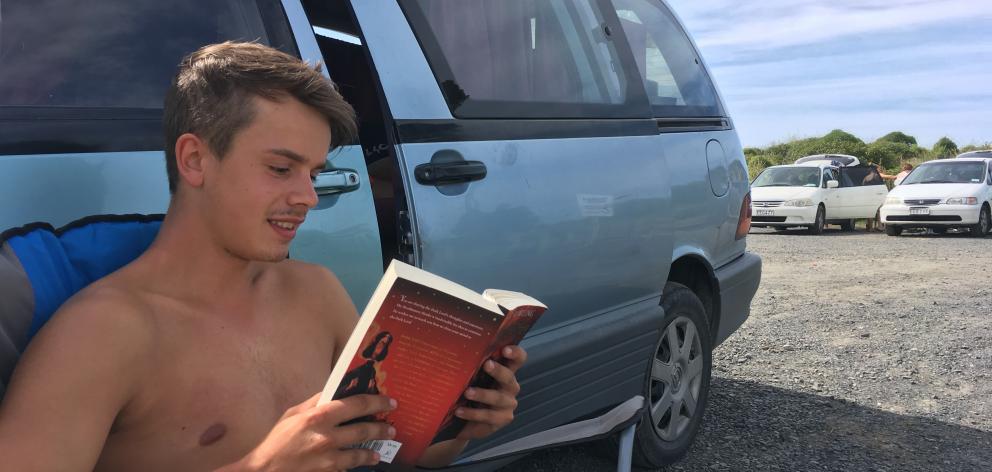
x: 209, y: 351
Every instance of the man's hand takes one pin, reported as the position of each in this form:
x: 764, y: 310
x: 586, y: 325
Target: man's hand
x: 310, y: 437
x: 501, y: 401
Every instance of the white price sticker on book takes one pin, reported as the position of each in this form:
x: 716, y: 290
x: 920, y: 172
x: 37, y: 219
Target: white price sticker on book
x: 387, y: 449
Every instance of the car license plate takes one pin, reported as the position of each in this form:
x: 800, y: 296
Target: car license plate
x: 764, y: 212
x: 919, y: 211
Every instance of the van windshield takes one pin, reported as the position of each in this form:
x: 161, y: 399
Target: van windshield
x: 788, y: 177
x: 949, y: 172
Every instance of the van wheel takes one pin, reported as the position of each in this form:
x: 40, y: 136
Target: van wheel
x: 981, y: 228
x: 847, y: 225
x: 678, y: 381
x: 893, y: 230
x: 819, y: 221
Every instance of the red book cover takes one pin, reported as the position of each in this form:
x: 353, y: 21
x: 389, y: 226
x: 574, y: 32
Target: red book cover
x: 421, y: 340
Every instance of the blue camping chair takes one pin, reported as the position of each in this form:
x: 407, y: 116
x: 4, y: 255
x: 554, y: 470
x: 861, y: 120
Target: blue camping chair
x: 42, y: 267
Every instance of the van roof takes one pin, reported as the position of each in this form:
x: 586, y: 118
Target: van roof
x: 839, y: 160
x: 959, y: 159
x: 984, y: 153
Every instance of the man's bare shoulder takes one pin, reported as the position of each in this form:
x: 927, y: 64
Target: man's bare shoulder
x: 316, y: 280
x: 322, y: 293
x: 109, y: 311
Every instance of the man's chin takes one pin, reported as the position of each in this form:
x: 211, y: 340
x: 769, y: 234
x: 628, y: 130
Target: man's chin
x: 271, y: 255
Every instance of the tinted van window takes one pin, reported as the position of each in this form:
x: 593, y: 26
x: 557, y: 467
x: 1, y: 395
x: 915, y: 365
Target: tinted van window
x: 115, y: 53
x: 526, y: 58
x: 676, y: 83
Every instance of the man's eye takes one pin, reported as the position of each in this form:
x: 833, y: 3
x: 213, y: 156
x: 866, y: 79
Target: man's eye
x: 279, y: 170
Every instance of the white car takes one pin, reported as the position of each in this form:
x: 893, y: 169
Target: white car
x: 815, y: 192
x: 942, y: 194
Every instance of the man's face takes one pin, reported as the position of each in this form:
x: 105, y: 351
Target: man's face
x: 258, y: 195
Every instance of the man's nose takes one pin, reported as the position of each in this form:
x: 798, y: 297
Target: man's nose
x: 304, y: 193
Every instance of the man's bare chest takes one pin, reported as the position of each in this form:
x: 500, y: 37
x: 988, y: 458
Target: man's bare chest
x: 213, y: 396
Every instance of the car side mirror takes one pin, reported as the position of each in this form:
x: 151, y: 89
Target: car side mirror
x: 833, y: 184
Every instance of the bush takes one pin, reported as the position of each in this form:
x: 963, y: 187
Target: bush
x: 898, y: 137
x: 945, y: 148
x: 889, y: 151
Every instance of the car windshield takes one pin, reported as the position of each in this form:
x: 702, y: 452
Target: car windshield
x: 788, y: 177
x: 947, y: 173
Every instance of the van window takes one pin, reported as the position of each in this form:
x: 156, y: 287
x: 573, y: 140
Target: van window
x: 526, y: 58
x: 91, y: 76
x: 676, y: 82
x: 111, y: 53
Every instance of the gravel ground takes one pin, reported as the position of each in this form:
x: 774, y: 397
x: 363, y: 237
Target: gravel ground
x: 863, y: 352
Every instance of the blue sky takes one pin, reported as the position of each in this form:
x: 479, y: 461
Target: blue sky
x: 800, y: 68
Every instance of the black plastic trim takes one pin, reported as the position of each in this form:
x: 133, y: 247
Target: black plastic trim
x: 71, y: 133
x: 439, y: 131
x: 689, y: 125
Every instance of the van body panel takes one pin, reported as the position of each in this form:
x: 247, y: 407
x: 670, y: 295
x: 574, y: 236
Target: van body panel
x: 402, y: 68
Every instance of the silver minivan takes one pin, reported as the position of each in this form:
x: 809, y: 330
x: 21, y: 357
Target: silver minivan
x: 575, y: 150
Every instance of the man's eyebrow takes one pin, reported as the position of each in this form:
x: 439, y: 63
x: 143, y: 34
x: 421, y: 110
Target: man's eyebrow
x: 293, y: 156
x: 290, y: 154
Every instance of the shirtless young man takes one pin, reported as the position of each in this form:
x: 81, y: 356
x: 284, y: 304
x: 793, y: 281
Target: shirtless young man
x: 210, y: 350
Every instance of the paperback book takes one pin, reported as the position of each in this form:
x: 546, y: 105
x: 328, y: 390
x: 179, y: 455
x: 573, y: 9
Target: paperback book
x: 422, y: 340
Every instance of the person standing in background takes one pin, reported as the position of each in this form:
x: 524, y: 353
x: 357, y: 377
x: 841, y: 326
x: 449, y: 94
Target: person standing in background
x: 898, y: 178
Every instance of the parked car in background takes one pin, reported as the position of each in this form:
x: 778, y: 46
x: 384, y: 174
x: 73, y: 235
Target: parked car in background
x: 942, y: 194
x: 984, y: 154
x: 577, y: 151
x: 815, y: 191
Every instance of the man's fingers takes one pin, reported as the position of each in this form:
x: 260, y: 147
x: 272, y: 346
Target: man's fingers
x: 515, y: 356
x: 504, y: 375
x: 493, y: 398
x: 342, y: 411
x: 496, y: 418
x: 358, y: 433
x: 351, y: 458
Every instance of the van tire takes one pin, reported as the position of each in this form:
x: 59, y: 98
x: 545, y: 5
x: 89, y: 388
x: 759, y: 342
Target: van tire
x: 818, y: 221
x: 676, y: 374
x: 980, y: 229
x: 892, y: 230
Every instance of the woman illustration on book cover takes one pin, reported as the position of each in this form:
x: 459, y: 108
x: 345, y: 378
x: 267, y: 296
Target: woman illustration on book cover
x: 362, y: 379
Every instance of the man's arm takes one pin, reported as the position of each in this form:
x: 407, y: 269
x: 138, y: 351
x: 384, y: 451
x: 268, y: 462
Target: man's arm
x: 74, y: 378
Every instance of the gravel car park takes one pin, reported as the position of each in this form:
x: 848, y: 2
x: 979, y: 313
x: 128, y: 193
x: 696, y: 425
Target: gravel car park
x: 862, y: 353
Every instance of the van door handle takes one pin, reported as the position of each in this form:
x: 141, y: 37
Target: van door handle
x: 335, y: 181
x: 449, y: 172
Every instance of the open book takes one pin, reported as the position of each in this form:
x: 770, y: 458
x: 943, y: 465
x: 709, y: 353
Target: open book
x: 422, y: 340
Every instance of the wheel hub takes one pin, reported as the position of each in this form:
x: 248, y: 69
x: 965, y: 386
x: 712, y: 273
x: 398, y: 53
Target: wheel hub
x: 677, y: 378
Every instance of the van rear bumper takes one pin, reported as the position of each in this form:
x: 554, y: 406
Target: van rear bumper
x: 738, y: 282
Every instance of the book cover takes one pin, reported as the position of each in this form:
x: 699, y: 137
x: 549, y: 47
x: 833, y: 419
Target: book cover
x: 421, y: 340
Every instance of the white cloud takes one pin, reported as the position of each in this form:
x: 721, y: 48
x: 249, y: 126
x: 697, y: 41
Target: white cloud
x: 781, y: 23
x: 804, y: 67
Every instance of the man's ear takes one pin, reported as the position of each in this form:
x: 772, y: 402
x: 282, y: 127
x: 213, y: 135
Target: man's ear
x: 191, y: 152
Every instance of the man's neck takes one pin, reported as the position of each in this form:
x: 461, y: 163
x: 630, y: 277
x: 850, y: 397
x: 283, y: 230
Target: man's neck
x: 190, y: 264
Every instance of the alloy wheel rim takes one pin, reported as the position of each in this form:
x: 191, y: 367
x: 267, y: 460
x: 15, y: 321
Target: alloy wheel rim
x: 676, y: 379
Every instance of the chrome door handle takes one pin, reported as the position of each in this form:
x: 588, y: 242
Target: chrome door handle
x: 335, y: 181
